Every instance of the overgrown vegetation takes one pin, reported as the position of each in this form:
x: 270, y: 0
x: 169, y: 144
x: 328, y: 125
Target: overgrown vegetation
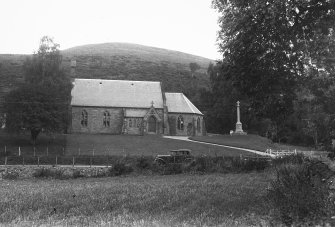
x: 300, y: 193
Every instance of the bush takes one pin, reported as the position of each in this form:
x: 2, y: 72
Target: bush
x: 299, y: 194
x: 144, y: 162
x: 59, y: 174
x: 76, y: 174
x: 173, y: 168
x: 254, y: 164
x: 119, y: 169
x: 43, y: 172
x: 10, y: 175
x: 298, y: 158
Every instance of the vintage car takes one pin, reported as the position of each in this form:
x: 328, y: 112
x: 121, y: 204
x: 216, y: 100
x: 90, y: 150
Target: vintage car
x: 176, y: 156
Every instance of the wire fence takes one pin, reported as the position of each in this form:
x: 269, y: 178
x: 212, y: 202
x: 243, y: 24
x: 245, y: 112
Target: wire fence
x: 57, y: 156
x: 59, y: 151
x: 83, y: 160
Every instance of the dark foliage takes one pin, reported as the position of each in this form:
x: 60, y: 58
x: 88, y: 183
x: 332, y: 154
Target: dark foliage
x: 10, y: 175
x: 144, y: 162
x: 299, y: 194
x: 120, y: 168
x: 50, y: 173
x: 298, y: 158
x: 42, y: 102
x: 77, y: 174
x: 272, y: 51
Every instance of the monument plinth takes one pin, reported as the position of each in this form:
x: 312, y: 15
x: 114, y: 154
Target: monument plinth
x: 238, y: 129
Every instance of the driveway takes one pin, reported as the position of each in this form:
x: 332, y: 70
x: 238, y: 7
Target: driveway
x: 185, y: 138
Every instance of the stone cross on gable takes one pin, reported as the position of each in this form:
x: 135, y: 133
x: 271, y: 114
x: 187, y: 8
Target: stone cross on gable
x: 152, y: 103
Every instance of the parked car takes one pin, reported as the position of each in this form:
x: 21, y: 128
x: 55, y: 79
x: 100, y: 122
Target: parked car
x: 176, y: 156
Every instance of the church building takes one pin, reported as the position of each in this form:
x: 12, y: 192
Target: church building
x: 132, y: 107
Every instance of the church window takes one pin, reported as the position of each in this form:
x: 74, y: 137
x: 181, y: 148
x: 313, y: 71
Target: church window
x: 180, y: 123
x: 198, y: 124
x: 84, y: 118
x: 130, y: 123
x: 139, y: 123
x: 106, y: 119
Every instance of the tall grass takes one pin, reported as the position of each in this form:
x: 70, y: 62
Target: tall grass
x: 300, y: 194
x: 153, y: 200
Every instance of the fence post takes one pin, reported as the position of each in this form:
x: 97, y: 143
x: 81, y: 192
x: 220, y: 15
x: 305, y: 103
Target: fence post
x: 63, y: 151
x: 19, y: 151
x: 72, y: 161
x: 79, y: 151
x: 107, y: 161
x: 34, y: 151
x: 90, y: 161
x: 56, y: 160
x: 38, y: 161
x: 5, y: 160
x: 5, y: 150
x: 93, y: 151
x: 240, y: 156
x: 47, y: 151
x: 23, y: 160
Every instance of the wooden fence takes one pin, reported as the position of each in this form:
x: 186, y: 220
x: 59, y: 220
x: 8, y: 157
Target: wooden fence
x: 280, y: 153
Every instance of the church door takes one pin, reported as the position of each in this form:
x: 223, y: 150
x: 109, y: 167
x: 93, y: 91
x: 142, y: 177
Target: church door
x: 152, y: 124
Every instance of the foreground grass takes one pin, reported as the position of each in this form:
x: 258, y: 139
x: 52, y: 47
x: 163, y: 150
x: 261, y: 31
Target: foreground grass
x: 176, y: 200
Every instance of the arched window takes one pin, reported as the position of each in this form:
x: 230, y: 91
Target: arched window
x: 198, y: 124
x: 139, y: 122
x: 84, y: 118
x: 180, y: 123
x: 106, y: 119
x: 130, y: 123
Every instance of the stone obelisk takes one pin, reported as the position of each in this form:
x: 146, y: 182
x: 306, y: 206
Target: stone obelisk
x: 238, y: 129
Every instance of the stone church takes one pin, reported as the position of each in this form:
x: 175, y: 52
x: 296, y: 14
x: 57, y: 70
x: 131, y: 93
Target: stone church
x: 132, y: 107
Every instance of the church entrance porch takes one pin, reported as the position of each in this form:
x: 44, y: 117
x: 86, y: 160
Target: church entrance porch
x: 151, y: 124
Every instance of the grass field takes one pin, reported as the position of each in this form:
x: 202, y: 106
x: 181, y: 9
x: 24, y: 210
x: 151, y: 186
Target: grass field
x: 176, y: 200
x: 140, y: 145
x: 84, y: 144
x: 250, y: 141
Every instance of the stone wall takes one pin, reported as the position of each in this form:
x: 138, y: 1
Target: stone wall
x: 95, y: 120
x: 118, y: 121
x: 190, y: 125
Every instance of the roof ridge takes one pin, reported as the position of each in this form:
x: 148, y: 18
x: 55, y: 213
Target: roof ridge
x: 118, y: 80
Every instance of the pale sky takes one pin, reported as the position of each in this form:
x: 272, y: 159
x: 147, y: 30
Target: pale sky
x: 184, y: 25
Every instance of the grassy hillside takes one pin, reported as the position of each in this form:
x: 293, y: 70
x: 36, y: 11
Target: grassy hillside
x: 122, y: 61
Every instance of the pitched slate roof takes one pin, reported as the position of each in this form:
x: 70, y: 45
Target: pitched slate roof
x: 179, y: 103
x: 116, y: 93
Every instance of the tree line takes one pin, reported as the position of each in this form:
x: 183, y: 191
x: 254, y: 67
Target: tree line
x: 278, y: 60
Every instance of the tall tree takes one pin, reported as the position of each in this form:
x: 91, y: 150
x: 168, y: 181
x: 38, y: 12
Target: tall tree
x: 42, y: 102
x: 266, y: 43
